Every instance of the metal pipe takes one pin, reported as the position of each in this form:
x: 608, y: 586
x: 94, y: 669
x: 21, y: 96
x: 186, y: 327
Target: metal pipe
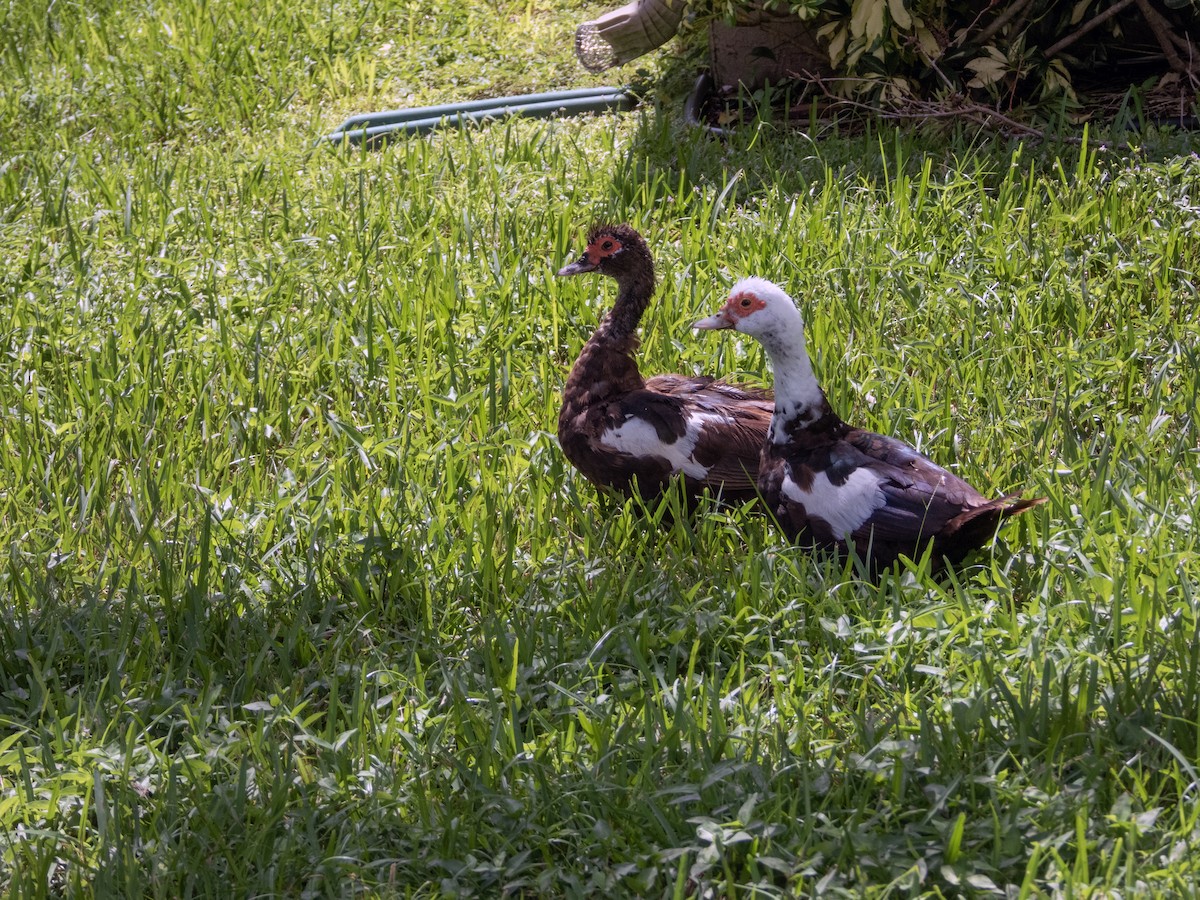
x: 395, y: 116
x: 615, y: 99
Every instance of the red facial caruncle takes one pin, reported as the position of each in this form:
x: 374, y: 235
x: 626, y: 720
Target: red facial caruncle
x: 602, y: 249
x: 738, y: 306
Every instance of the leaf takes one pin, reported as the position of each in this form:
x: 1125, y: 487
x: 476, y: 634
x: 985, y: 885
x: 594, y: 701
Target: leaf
x: 954, y: 845
x: 511, y: 682
x: 900, y: 14
x: 1058, y: 80
x: 988, y: 69
x: 774, y: 864
x: 747, y: 808
x: 929, y: 45
x: 983, y: 883
x: 875, y: 23
x: 867, y: 18
x: 1145, y: 821
x: 837, y: 43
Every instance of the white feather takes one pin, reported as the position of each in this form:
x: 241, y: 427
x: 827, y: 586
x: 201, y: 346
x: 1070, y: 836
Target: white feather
x: 637, y: 437
x: 779, y: 326
x: 845, y: 507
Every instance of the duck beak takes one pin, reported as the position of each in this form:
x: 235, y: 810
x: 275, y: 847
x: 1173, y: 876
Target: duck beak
x: 712, y: 323
x: 581, y: 265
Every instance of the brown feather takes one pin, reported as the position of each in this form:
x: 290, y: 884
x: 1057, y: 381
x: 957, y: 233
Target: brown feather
x: 606, y: 391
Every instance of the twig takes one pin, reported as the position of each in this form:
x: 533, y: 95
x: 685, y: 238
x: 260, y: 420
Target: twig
x: 914, y: 44
x: 1183, y: 42
x: 1054, y: 49
x: 1162, y: 33
x: 922, y: 109
x: 955, y: 107
x: 963, y: 34
x: 1001, y: 20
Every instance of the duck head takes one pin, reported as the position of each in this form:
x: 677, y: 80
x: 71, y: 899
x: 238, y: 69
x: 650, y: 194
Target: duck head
x: 764, y: 311
x: 614, y: 250
x: 760, y: 309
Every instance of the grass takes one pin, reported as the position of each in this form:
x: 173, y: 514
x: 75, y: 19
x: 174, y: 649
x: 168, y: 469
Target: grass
x: 300, y: 598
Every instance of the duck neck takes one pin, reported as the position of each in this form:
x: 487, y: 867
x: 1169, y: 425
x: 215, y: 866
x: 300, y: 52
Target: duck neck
x: 619, y: 327
x: 606, y: 365
x: 799, y: 401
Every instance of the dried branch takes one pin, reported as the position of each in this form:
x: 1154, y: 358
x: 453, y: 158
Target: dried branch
x: 962, y: 36
x: 1091, y: 23
x: 1181, y: 41
x: 914, y: 44
x: 1003, y: 19
x: 1162, y: 33
x: 956, y: 107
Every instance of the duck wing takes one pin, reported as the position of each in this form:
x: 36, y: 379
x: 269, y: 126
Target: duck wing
x: 710, y: 432
x: 705, y: 390
x: 731, y: 423
x: 920, y: 497
x: 866, y: 485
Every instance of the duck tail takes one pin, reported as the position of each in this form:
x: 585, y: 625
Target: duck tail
x: 1014, y: 504
x: 975, y: 527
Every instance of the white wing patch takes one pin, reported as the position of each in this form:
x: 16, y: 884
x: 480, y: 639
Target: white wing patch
x: 637, y: 437
x: 845, y: 507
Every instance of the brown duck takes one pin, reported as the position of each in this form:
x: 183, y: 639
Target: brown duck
x: 636, y: 434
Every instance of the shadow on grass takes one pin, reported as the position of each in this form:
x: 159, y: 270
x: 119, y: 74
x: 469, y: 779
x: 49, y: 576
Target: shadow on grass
x: 791, y: 158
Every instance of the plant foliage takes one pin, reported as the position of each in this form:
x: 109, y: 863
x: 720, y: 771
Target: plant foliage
x: 1014, y: 52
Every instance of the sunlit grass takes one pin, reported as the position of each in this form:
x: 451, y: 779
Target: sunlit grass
x: 300, y: 595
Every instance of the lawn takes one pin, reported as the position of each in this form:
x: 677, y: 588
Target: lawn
x: 300, y: 598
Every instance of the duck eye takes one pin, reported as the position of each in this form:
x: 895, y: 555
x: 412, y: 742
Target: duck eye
x: 744, y: 303
x: 606, y: 245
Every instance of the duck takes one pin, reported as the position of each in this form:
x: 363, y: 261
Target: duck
x: 831, y: 485
x: 636, y: 436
